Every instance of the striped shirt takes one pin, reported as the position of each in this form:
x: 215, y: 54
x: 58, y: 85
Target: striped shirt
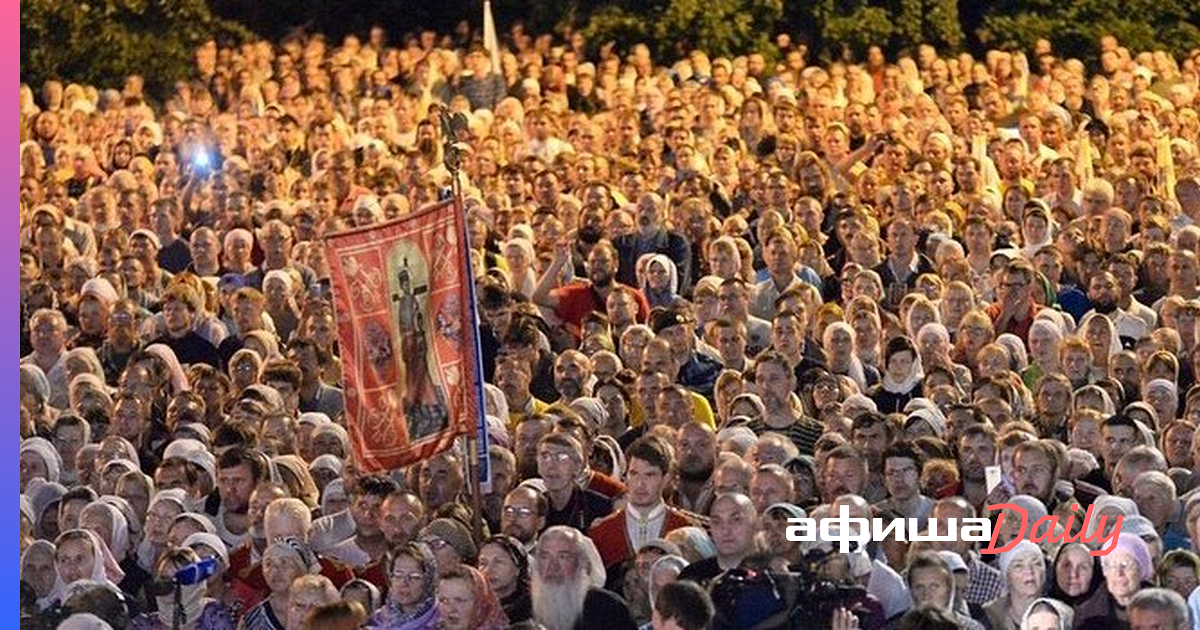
x: 804, y: 432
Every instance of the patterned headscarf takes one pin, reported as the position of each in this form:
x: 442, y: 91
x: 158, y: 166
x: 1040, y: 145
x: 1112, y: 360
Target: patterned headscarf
x: 488, y: 613
x: 425, y: 613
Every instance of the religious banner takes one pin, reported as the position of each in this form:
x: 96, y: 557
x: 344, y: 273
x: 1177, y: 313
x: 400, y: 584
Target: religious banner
x: 403, y: 297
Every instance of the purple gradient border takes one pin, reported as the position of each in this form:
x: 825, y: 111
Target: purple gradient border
x: 9, y: 390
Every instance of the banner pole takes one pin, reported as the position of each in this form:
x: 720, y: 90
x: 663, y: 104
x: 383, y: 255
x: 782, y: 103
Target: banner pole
x: 477, y: 447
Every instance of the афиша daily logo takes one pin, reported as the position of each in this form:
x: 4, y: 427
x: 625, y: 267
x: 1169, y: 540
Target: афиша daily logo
x: 846, y: 530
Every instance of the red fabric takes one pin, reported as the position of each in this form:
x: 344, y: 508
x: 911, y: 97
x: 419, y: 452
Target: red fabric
x: 248, y: 587
x: 578, y: 299
x: 610, y: 487
x: 612, y: 538
x: 406, y: 329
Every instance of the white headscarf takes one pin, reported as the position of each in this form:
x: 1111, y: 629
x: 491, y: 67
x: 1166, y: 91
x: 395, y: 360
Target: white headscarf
x: 44, y: 449
x: 672, y: 273
x: 915, y: 374
x: 41, y: 545
x: 104, y: 566
x: 147, y: 553
x: 856, y: 371
x: 1114, y: 342
x: 120, y: 528
x: 179, y: 382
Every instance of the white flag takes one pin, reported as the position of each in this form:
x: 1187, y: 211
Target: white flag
x: 490, y: 42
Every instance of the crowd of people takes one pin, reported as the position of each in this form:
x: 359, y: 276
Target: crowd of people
x: 714, y: 296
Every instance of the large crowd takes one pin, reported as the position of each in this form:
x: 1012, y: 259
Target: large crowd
x: 713, y: 296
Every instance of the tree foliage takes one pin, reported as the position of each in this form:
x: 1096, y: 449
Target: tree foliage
x: 840, y: 28
x: 671, y: 28
x: 100, y: 42
x: 1076, y: 27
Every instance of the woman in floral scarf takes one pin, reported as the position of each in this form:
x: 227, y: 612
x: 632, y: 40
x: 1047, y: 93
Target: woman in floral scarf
x: 411, y: 602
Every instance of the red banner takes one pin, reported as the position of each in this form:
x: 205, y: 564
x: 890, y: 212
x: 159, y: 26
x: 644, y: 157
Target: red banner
x: 404, y: 308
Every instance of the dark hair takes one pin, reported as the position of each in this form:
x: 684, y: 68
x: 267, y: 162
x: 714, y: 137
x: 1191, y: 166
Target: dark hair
x: 896, y: 345
x: 1119, y: 420
x: 905, y: 449
x: 927, y: 617
x: 686, y: 603
x: 376, y: 486
x: 653, y: 451
x: 282, y: 370
x: 237, y: 434
x: 239, y: 456
x: 79, y: 493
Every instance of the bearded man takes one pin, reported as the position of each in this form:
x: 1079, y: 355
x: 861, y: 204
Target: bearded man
x: 567, y: 585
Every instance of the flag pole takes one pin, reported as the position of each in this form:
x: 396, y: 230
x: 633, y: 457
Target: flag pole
x: 476, y: 460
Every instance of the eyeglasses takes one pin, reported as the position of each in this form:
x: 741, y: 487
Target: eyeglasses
x: 554, y: 458
x: 1120, y: 566
x: 408, y: 578
x: 519, y: 512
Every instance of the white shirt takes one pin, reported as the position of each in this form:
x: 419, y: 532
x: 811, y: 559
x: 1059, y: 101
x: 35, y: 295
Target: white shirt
x: 642, y: 527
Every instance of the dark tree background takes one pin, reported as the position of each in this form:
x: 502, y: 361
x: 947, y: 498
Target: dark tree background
x: 101, y: 41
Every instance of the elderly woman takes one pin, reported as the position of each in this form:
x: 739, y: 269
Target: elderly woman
x: 412, y: 601
x: 1024, y: 571
x: 1078, y: 581
x: 839, y: 341
x: 37, y: 570
x: 1045, y: 338
x: 283, y: 561
x: 466, y: 602
x: 1127, y: 570
x: 191, y: 609
x: 38, y: 459
x: 519, y: 254
x: 505, y: 564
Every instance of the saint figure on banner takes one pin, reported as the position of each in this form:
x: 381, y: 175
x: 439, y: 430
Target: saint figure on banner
x: 424, y: 403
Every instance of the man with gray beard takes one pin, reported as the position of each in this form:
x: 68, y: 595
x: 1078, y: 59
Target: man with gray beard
x: 567, y: 585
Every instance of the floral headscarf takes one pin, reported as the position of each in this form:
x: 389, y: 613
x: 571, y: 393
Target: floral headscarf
x: 424, y: 615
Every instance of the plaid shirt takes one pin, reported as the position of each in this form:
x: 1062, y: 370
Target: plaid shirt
x: 986, y: 582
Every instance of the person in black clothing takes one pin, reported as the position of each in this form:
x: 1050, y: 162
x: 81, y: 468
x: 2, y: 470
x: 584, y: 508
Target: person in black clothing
x: 653, y: 237
x: 505, y: 562
x: 901, y: 376
x: 179, y: 307
x: 733, y: 521
x: 904, y: 264
x: 560, y: 462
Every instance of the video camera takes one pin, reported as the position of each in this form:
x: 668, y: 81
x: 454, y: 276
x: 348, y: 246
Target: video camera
x: 752, y: 599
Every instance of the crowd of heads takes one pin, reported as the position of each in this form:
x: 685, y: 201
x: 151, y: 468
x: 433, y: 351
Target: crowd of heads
x: 715, y: 294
